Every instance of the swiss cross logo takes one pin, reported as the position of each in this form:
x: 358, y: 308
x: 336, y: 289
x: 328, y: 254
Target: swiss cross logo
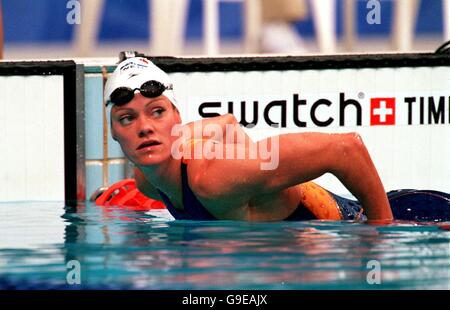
x: 382, y: 111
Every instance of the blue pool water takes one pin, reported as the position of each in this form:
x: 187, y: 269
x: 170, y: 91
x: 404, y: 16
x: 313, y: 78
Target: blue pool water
x: 123, y: 249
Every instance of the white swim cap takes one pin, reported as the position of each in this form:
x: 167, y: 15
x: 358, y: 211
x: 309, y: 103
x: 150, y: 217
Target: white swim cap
x: 134, y: 72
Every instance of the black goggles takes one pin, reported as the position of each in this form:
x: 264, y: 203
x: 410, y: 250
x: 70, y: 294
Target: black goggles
x: 150, y: 89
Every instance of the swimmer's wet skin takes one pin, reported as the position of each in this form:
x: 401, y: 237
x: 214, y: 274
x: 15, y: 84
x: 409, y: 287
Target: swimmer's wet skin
x: 143, y: 114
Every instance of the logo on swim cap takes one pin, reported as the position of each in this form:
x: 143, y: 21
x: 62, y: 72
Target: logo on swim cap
x: 141, y: 63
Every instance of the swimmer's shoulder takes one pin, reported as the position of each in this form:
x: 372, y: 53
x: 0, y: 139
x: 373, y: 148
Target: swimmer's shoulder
x: 223, y: 203
x: 196, y: 173
x: 217, y: 200
x: 207, y: 184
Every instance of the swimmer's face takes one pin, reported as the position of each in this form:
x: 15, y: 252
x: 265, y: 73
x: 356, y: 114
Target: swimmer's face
x: 143, y: 129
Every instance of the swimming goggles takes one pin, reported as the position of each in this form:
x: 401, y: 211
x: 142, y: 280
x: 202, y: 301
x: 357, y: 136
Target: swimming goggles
x: 150, y: 89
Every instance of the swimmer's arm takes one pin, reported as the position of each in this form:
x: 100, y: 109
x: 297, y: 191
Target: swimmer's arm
x: 302, y: 157
x: 144, y: 186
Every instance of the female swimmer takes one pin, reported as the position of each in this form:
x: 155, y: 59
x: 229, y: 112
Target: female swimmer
x: 143, y: 114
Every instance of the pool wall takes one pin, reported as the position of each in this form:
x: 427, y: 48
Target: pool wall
x: 42, y: 125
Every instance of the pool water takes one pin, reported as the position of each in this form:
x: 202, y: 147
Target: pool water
x: 124, y: 249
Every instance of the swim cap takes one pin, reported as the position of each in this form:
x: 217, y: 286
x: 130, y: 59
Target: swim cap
x: 134, y: 72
